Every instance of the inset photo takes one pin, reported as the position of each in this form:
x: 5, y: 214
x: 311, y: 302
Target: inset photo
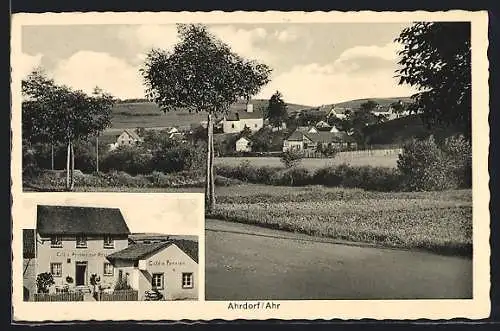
x: 85, y: 252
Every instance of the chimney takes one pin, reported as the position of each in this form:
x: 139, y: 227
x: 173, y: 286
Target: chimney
x: 249, y: 108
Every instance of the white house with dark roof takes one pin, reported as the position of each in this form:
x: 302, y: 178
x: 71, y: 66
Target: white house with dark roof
x: 236, y: 120
x: 127, y: 137
x: 159, y: 266
x: 74, y: 243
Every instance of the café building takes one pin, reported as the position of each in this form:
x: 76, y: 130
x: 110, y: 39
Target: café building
x: 73, y: 243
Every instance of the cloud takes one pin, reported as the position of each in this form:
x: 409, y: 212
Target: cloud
x: 149, y: 36
x: 286, y: 36
x: 26, y: 63
x: 244, y: 41
x: 315, y: 84
x: 86, y: 69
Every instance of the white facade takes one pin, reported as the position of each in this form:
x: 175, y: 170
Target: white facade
x: 170, y: 271
x: 254, y: 124
x: 78, y: 262
x: 243, y: 145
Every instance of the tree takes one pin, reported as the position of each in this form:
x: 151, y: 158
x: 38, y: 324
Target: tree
x: 357, y: 121
x: 44, y: 281
x: 398, y: 107
x: 436, y: 59
x: 291, y: 158
x: 56, y: 113
x: 201, y: 74
x: 276, y: 110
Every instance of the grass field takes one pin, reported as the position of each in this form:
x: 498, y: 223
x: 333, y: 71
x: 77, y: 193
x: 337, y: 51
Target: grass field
x: 435, y: 221
x: 354, y: 159
x: 149, y: 115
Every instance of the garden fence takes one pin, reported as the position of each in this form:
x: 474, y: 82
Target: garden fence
x: 68, y: 296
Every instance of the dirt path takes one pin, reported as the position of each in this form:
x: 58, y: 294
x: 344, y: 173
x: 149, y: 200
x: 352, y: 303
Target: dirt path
x: 245, y: 262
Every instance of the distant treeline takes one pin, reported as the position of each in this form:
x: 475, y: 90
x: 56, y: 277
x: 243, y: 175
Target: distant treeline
x: 133, y: 100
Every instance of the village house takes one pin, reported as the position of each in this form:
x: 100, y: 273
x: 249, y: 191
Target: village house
x: 160, y: 266
x: 128, y: 137
x: 339, y: 112
x: 309, y: 141
x: 236, y: 120
x: 243, y: 145
x: 75, y: 243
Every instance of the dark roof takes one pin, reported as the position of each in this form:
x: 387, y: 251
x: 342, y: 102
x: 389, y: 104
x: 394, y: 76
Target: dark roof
x: 28, y: 243
x: 132, y: 134
x: 80, y: 220
x: 189, y: 247
x: 296, y: 136
x: 140, y: 251
x: 329, y: 137
x: 236, y: 115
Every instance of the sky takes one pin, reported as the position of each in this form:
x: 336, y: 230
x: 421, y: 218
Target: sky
x: 313, y: 63
x: 174, y: 214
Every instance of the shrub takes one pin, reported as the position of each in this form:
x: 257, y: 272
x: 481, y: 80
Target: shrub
x: 426, y: 166
x: 44, y: 281
x: 291, y: 158
x: 292, y: 177
x: 459, y: 153
x: 122, y: 285
x: 130, y: 159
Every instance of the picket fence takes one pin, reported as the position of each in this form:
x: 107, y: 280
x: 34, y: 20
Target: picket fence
x: 120, y: 295
x: 67, y: 296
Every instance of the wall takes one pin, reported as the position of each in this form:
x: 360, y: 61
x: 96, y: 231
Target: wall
x: 231, y: 126
x: 172, y: 262
x: 95, y: 255
x: 254, y: 124
x: 293, y: 145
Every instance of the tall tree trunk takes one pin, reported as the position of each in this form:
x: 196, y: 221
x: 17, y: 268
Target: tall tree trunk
x: 68, y: 158
x: 97, y: 153
x: 209, y: 180
x: 72, y: 179
x: 52, y: 156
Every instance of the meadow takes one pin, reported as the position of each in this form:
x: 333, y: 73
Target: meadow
x: 381, y: 158
x: 438, y: 221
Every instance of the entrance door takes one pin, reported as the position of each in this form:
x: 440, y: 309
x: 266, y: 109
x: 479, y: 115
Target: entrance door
x: 80, y: 273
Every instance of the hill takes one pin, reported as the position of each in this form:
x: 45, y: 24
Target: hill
x: 399, y: 130
x: 140, y: 113
x: 357, y: 102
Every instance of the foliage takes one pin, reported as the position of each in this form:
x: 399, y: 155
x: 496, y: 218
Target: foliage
x: 276, y: 110
x: 201, y: 73
x: 121, y: 284
x: 357, y: 121
x: 44, y: 281
x: 291, y: 158
x: 130, y: 159
x: 426, y: 166
x: 58, y: 114
x: 327, y: 151
x: 436, y: 59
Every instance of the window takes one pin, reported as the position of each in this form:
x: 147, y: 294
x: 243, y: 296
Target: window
x: 56, y: 241
x: 187, y: 280
x: 109, y: 242
x: 157, y: 282
x: 81, y: 242
x: 232, y: 126
x: 108, y: 269
x: 255, y: 125
x: 56, y: 269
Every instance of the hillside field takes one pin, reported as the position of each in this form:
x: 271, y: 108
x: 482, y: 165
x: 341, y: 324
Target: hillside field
x: 148, y: 114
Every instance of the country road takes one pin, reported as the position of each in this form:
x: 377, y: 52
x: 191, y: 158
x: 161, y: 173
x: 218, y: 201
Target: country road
x: 245, y: 262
